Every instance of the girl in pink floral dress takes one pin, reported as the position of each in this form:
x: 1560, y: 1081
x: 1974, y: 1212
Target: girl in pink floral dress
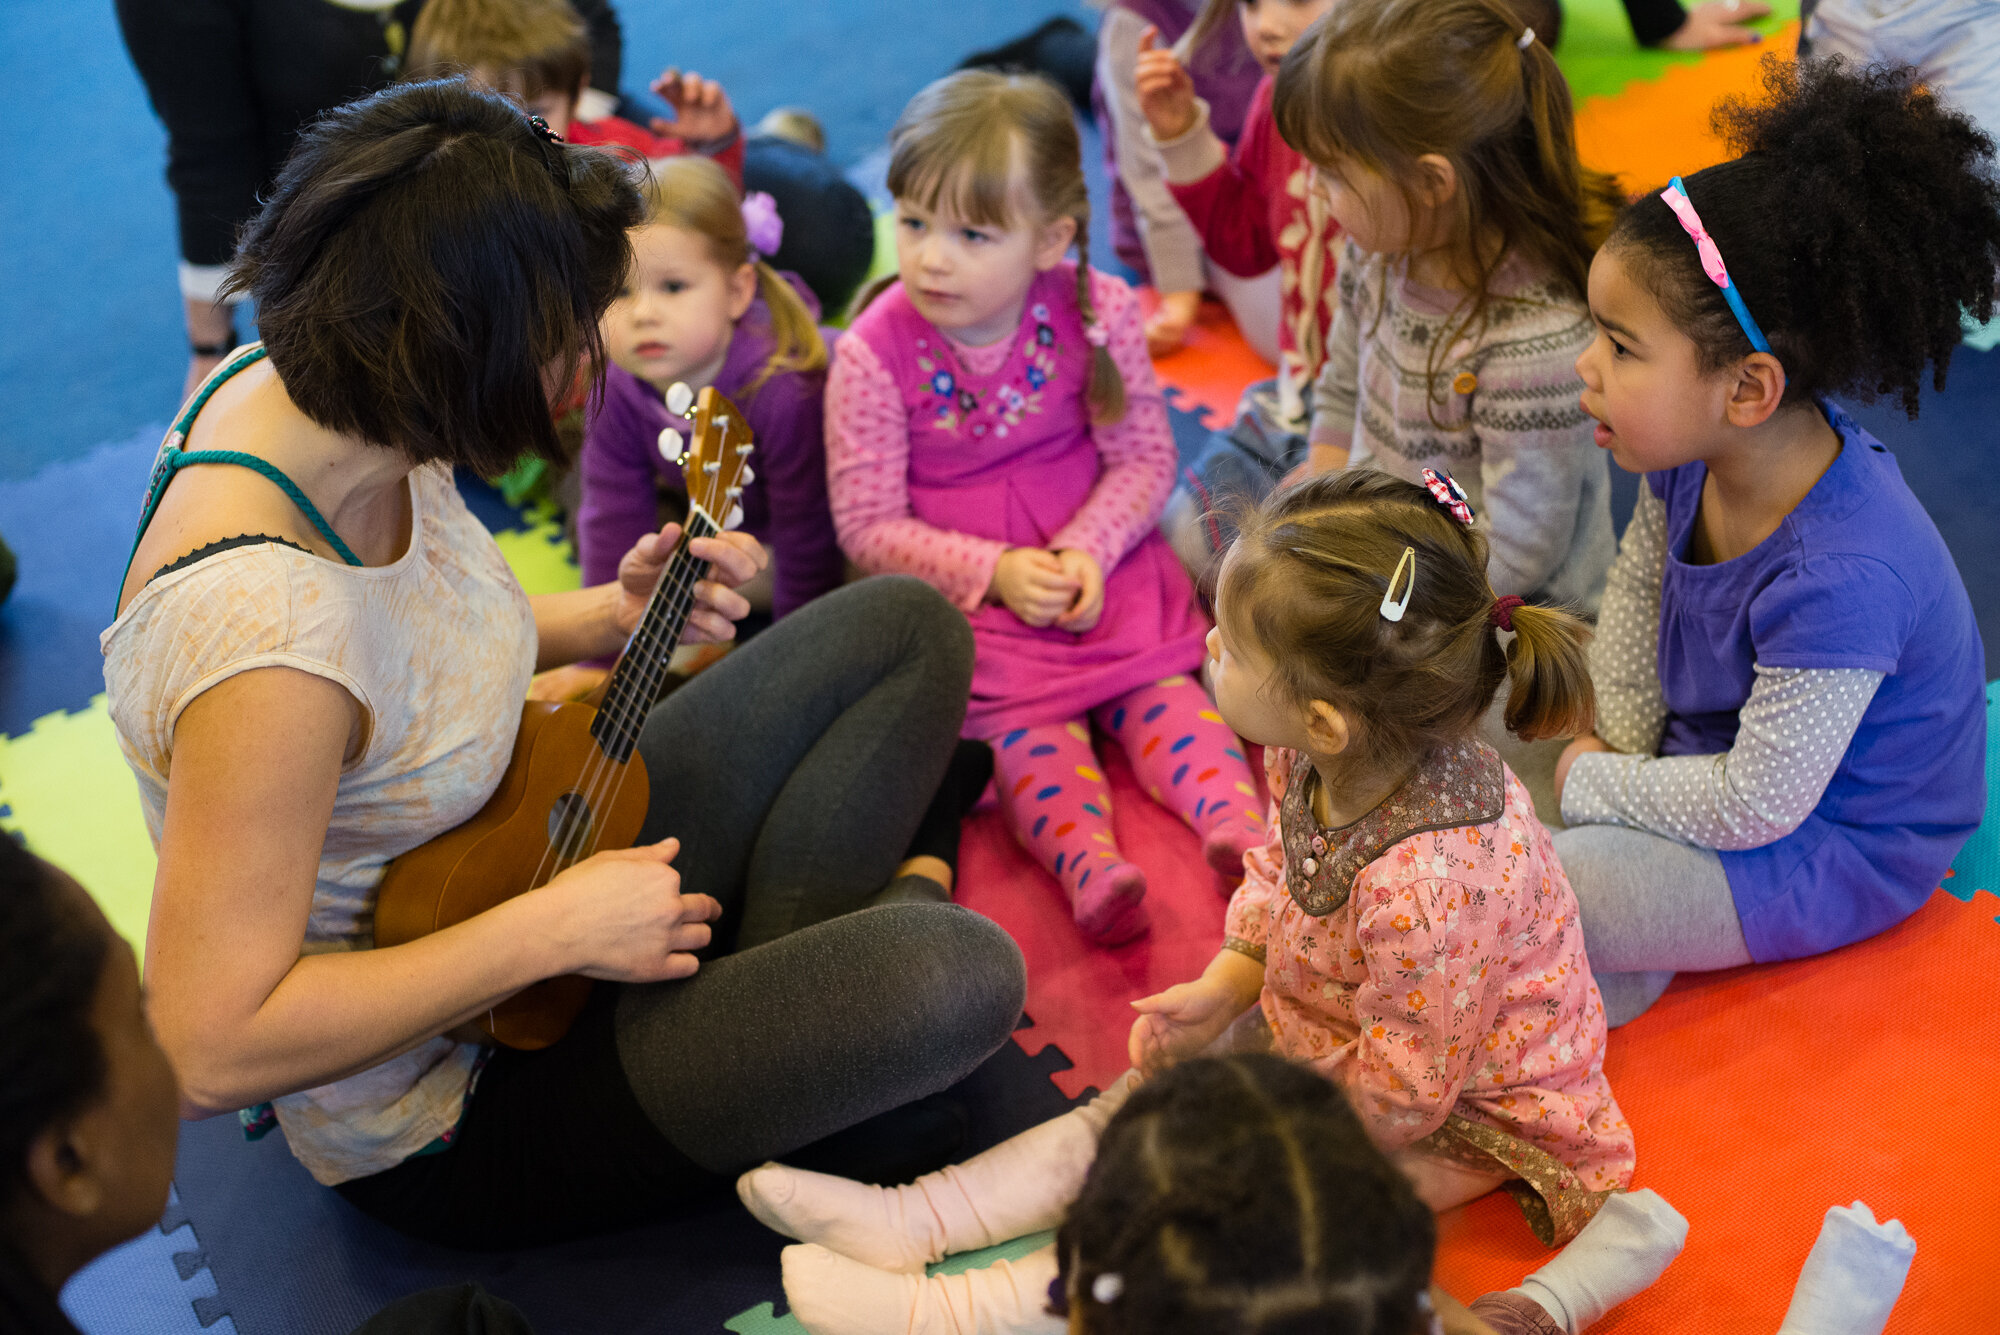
x: 993, y: 427
x: 1406, y: 928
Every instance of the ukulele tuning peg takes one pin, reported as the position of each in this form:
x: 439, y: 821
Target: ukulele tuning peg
x: 712, y: 467
x: 745, y: 450
x: 671, y: 445
x: 749, y: 475
x: 735, y: 519
x: 679, y: 399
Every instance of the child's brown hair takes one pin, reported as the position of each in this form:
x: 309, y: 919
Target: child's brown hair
x: 1384, y: 82
x: 1304, y: 584
x: 524, y: 48
x: 695, y: 195
x: 960, y: 139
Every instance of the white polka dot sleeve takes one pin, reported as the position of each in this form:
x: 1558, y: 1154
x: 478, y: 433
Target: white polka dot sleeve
x: 1792, y: 734
x: 1625, y: 652
x: 1136, y: 454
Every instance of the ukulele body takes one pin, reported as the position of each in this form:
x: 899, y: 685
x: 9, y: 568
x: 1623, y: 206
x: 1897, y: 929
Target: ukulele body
x: 505, y: 850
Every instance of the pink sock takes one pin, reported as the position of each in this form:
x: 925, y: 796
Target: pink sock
x: 1055, y: 799
x: 1186, y: 757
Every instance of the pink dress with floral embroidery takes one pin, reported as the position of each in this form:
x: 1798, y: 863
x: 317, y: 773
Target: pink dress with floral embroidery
x: 941, y: 457
x: 1432, y: 963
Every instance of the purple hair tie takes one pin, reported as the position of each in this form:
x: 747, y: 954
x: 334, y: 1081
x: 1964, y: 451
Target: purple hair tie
x: 761, y: 221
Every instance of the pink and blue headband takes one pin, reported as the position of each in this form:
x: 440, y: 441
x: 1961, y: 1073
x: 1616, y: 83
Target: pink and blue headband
x: 1676, y: 199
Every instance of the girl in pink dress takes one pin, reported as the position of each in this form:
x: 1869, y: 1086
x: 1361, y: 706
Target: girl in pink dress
x: 993, y: 427
x: 1406, y: 929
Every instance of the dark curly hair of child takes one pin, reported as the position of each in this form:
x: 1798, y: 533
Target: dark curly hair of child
x: 1861, y: 219
x: 1240, y: 1196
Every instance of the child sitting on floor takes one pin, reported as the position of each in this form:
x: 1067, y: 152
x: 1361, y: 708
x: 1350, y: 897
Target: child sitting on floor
x: 537, y: 52
x: 1229, y: 1194
x: 994, y: 428
x: 1254, y: 206
x: 1791, y: 748
x: 1406, y: 926
x: 1442, y: 134
x: 1149, y: 232
x: 701, y: 307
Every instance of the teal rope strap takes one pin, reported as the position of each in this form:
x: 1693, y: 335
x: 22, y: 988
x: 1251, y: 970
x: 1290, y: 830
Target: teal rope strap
x: 173, y: 458
x: 182, y: 458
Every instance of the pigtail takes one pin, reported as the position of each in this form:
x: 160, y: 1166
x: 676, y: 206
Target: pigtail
x: 796, y: 344
x: 1107, y: 388
x: 1549, y: 692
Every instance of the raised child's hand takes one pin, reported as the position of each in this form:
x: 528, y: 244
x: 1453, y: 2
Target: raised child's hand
x: 701, y: 109
x: 1033, y: 585
x: 1089, y: 576
x: 1169, y: 325
x: 1166, y: 91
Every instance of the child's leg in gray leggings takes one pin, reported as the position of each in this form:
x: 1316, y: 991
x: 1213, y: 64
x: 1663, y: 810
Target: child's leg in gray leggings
x: 1651, y: 908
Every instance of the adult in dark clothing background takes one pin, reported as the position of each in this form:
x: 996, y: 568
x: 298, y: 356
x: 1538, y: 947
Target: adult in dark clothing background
x: 234, y: 80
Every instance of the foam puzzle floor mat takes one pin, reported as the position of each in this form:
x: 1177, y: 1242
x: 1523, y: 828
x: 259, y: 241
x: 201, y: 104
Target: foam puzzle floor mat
x: 1759, y: 1096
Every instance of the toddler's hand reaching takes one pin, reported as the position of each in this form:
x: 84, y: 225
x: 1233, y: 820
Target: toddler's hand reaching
x: 1166, y: 91
x: 1168, y: 327
x: 1089, y: 605
x: 701, y: 109
x: 1178, y: 1023
x: 1033, y: 585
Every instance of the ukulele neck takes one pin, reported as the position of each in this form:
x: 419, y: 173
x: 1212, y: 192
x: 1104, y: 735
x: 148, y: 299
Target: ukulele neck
x: 642, y: 668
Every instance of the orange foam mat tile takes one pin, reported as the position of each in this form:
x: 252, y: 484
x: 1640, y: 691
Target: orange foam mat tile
x: 1210, y: 370
x: 1761, y: 1096
x: 1656, y: 129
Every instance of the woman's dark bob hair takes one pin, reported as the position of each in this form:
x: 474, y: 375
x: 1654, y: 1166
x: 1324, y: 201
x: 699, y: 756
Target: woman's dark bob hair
x: 428, y: 269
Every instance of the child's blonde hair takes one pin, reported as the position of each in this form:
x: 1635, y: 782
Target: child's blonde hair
x: 695, y: 195
x: 1305, y: 582
x: 960, y: 138
x: 1384, y: 82
x: 526, y: 47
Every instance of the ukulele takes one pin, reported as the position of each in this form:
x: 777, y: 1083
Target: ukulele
x: 575, y: 783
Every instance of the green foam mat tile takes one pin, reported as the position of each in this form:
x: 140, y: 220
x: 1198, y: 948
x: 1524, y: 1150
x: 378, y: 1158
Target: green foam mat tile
x: 70, y: 795
x: 1599, y: 57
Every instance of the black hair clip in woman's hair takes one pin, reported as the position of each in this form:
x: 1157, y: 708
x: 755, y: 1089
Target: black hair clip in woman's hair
x: 542, y: 128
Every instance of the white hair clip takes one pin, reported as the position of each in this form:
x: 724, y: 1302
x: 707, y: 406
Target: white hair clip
x: 1526, y: 39
x: 1107, y: 1287
x: 1392, y: 608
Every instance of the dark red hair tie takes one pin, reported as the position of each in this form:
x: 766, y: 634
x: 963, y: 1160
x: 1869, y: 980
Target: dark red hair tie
x: 1502, y: 614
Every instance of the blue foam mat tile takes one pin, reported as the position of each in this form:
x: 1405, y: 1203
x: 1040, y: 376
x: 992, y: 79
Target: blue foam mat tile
x: 294, y: 1258
x: 156, y: 1284
x: 71, y: 528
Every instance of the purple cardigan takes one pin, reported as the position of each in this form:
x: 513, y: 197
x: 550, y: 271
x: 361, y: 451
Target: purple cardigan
x: 785, y: 508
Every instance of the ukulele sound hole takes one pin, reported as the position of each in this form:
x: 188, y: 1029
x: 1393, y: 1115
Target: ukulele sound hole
x: 570, y: 826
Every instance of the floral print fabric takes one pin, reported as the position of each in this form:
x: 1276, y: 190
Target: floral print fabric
x: 1451, y: 982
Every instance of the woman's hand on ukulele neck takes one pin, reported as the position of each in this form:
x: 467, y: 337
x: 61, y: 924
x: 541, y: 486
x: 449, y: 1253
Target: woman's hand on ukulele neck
x: 734, y: 557
x: 621, y: 916
x: 1166, y: 92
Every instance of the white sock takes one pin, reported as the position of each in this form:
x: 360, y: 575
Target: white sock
x: 831, y: 1294
x: 1628, y: 1244
x: 1853, y: 1276
x: 857, y: 1219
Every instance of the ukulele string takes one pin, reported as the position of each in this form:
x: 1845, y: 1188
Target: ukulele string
x: 653, y: 671
x: 681, y: 579
x: 591, y: 784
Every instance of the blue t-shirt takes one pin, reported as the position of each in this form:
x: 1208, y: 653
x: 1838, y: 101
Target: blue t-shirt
x: 1856, y: 576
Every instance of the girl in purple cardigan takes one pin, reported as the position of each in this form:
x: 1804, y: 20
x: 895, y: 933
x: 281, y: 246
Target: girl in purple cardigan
x: 702, y: 307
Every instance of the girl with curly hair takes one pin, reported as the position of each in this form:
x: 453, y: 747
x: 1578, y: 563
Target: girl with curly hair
x: 1791, y: 710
